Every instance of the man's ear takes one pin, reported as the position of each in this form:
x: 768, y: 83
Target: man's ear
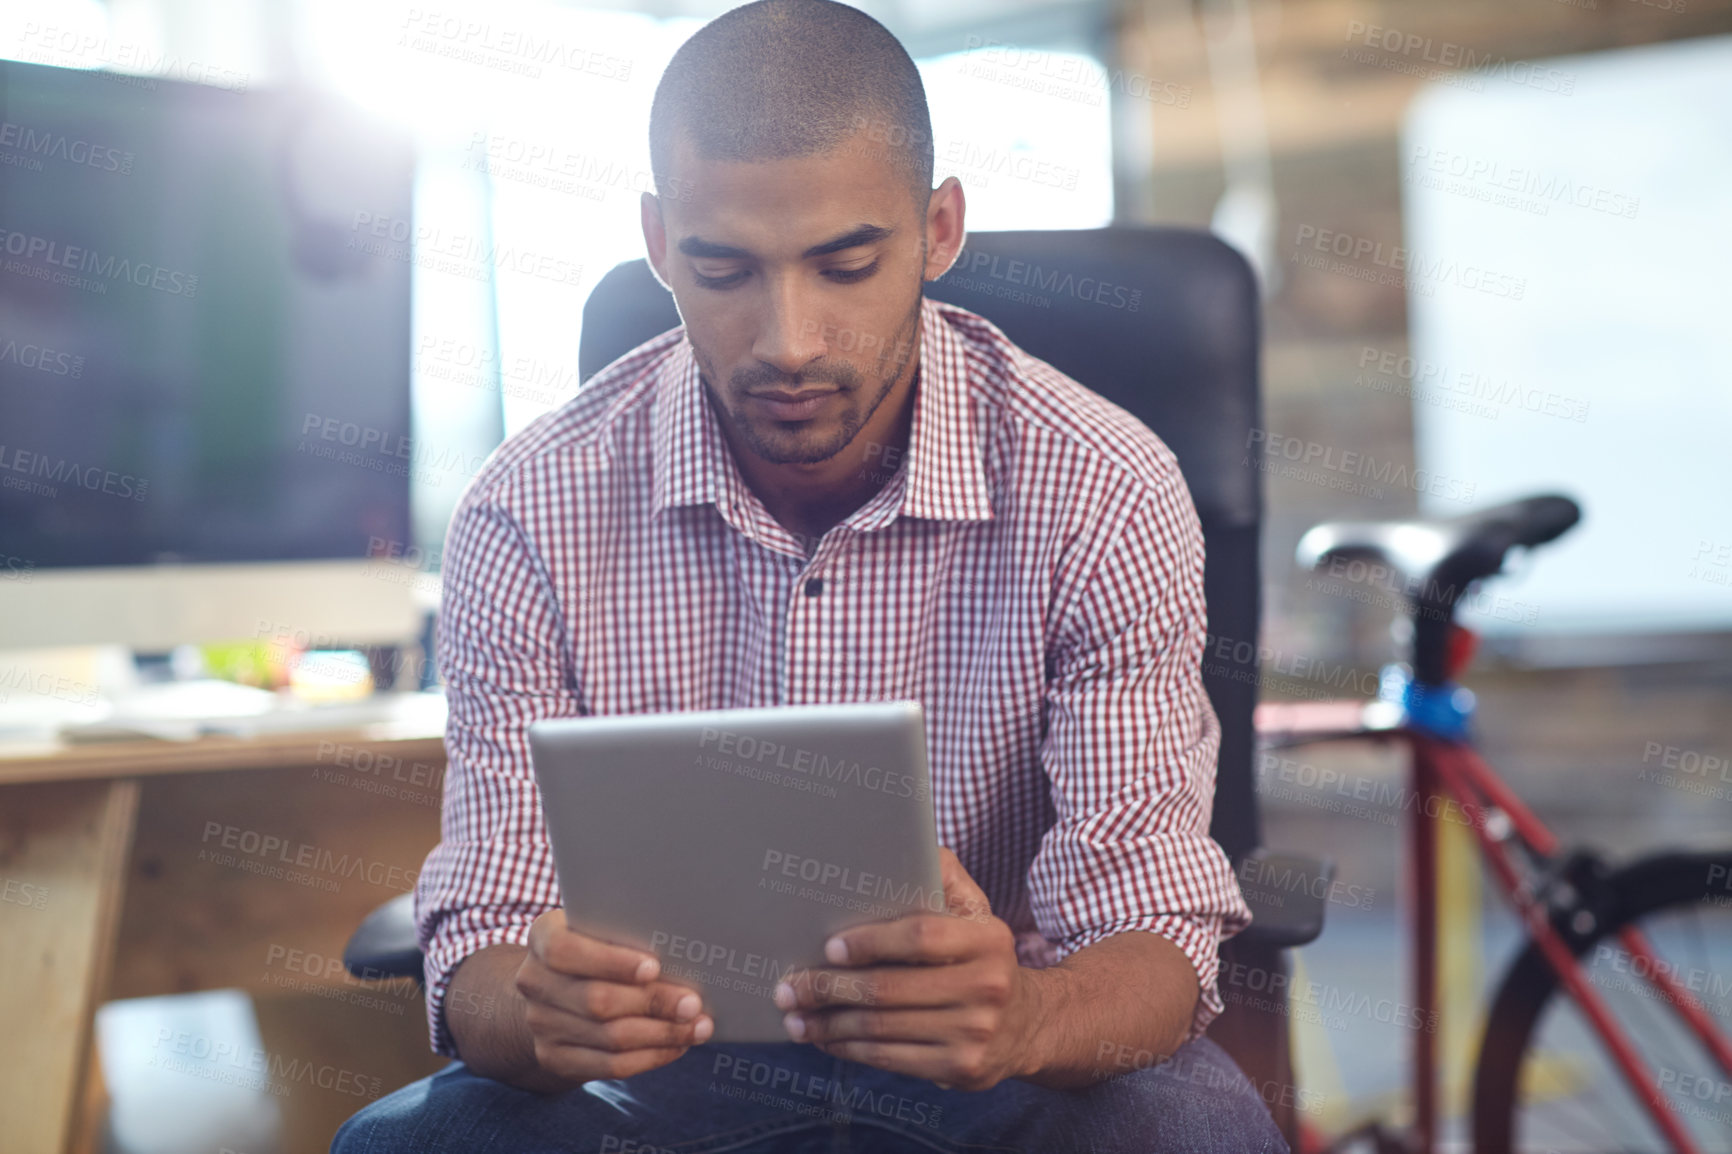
x: 945, y: 233
x: 655, y: 237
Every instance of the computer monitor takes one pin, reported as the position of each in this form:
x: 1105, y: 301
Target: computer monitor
x: 204, y: 364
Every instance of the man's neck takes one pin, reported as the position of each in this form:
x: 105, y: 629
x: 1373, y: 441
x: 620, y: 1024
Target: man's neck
x: 874, y: 460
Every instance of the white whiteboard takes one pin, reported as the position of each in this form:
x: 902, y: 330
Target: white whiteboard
x: 1599, y: 187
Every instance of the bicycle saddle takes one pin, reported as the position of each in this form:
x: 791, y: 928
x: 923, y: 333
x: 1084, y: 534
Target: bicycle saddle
x: 1437, y: 557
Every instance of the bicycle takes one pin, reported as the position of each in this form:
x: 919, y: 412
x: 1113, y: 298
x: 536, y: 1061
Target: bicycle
x: 1636, y: 917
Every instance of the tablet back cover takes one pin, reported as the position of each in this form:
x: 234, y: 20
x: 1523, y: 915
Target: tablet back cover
x: 732, y: 843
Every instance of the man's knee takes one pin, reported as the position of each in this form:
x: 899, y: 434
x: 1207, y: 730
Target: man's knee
x: 385, y: 1126
x: 367, y: 1131
x: 421, y: 1116
x: 1199, y: 1100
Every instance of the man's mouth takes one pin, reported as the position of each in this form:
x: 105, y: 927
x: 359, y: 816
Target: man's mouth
x: 795, y: 406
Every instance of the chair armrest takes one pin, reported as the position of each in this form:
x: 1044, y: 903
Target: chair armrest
x: 383, y: 946
x: 1286, y: 893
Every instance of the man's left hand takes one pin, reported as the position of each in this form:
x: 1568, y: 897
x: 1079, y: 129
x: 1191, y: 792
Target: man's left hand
x: 935, y: 996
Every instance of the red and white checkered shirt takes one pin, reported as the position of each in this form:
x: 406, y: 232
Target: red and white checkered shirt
x: 1031, y: 572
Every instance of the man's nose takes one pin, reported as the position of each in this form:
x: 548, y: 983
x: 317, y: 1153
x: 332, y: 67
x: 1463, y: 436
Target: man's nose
x: 790, y: 336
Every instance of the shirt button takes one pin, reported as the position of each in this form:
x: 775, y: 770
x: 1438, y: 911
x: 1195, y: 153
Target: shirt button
x: 814, y: 586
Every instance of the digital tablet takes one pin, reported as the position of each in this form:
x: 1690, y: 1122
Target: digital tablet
x: 733, y: 843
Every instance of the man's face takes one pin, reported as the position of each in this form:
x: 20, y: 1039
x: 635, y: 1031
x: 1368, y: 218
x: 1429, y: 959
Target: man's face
x: 794, y: 277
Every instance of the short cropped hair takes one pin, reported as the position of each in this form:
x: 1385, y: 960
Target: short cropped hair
x: 785, y: 78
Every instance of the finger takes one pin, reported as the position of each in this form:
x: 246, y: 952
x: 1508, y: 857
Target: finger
x: 582, y: 1064
x: 890, y: 986
x: 962, y: 896
x: 568, y: 951
x: 917, y: 1059
x: 872, y: 1025
x: 607, y: 1001
x: 618, y: 1035
x: 914, y: 939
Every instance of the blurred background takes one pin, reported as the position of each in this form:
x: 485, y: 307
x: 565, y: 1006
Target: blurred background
x: 1491, y: 238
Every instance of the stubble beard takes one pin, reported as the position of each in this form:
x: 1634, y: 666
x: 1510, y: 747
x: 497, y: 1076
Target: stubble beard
x: 784, y: 443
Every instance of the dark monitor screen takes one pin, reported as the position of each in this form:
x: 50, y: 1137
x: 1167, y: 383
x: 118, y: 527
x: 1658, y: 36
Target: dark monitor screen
x: 201, y: 360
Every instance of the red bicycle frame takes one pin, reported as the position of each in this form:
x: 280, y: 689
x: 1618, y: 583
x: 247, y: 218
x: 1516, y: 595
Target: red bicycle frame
x: 1501, y: 823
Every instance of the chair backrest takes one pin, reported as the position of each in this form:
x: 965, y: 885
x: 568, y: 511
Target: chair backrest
x: 1163, y: 322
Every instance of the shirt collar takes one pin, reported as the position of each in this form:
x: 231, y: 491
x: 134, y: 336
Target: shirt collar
x: 944, y: 474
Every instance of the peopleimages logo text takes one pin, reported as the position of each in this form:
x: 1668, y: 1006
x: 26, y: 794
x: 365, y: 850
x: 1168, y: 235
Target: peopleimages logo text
x: 60, y: 471
x: 58, y: 146
x: 841, y: 768
x: 70, y: 256
x: 1057, y: 281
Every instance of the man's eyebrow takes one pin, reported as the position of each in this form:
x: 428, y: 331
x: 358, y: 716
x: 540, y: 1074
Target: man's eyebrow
x: 863, y: 235
x: 700, y: 248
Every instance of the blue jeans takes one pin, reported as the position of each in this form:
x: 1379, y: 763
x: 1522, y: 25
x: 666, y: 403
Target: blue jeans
x: 789, y: 1098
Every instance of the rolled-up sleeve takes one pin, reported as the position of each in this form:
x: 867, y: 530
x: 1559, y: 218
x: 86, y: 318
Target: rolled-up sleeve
x: 505, y: 663
x: 1130, y: 747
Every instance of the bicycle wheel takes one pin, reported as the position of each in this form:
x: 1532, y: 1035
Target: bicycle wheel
x: 1544, y: 1080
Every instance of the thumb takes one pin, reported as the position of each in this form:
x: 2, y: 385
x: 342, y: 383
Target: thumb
x: 962, y: 897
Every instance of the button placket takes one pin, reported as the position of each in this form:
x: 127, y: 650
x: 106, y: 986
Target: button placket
x: 809, y: 622
x: 806, y: 655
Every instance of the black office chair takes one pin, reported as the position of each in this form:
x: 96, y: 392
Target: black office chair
x: 1165, y: 323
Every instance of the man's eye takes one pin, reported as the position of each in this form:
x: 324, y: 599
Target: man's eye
x: 850, y: 275
x: 718, y: 282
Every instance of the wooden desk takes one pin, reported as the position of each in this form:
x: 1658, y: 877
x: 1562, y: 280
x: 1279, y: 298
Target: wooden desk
x: 142, y: 868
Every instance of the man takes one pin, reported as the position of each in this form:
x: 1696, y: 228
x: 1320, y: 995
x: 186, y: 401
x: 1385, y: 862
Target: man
x: 822, y: 488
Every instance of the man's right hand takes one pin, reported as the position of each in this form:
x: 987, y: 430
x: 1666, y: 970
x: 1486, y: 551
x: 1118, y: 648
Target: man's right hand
x: 568, y: 1009
x: 597, y: 1010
